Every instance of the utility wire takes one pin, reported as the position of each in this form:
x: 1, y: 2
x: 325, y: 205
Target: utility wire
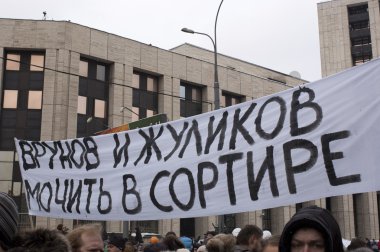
x: 124, y: 85
x: 113, y: 83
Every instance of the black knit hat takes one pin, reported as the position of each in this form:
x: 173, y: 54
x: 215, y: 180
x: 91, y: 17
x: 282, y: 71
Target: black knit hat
x: 117, y: 240
x: 8, y: 218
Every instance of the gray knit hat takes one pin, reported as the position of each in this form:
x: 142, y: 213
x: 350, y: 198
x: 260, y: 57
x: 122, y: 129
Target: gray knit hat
x: 8, y: 218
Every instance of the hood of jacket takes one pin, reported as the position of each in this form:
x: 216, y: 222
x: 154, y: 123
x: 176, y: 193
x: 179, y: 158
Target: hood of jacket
x: 317, y: 218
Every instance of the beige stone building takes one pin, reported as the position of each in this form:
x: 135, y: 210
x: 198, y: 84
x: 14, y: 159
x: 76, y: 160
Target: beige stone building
x: 349, y: 33
x: 63, y: 80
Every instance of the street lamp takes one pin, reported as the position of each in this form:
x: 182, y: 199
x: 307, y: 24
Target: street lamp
x: 216, y: 79
x: 216, y: 83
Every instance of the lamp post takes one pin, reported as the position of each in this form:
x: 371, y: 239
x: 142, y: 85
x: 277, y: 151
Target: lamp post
x: 216, y: 79
x: 216, y: 83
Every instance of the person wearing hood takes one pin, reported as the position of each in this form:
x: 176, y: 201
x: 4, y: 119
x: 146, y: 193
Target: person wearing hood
x: 311, y: 229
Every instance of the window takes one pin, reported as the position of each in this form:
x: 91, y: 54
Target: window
x: 13, y: 62
x: 92, y: 97
x: 328, y: 203
x: 22, y: 94
x: 10, y: 99
x: 101, y: 72
x: 36, y: 62
x: 145, y: 96
x: 196, y: 94
x: 83, y: 68
x: 361, y: 41
x: 151, y: 84
x: 191, y: 100
x: 361, y: 58
x: 357, y: 205
x: 136, y: 80
x: 360, y: 36
x: 354, y: 10
x: 149, y: 113
x: 182, y: 92
x: 359, y: 25
x: 229, y: 99
x: 267, y: 219
x: 229, y: 222
x: 82, y: 103
x: 35, y: 100
x: 100, y: 109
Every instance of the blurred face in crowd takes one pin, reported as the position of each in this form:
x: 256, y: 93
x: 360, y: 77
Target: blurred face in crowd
x: 307, y: 239
x: 91, y: 243
x: 254, y: 244
x: 270, y: 248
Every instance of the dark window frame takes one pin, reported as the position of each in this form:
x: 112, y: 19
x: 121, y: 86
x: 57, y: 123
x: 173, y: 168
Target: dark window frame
x: 190, y: 106
x: 142, y: 98
x: 357, y: 9
x: 359, y: 59
x: 229, y: 96
x: 21, y: 122
x: 93, y: 89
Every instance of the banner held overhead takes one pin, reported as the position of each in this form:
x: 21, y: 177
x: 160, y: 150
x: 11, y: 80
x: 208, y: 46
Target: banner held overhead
x: 318, y: 140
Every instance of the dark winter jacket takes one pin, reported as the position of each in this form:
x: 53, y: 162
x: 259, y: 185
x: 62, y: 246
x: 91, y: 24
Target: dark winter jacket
x: 317, y: 218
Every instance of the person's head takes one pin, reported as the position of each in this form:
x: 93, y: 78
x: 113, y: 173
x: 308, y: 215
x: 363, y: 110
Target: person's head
x: 221, y: 243
x: 41, y: 240
x: 86, y: 238
x: 187, y: 241
x: 154, y: 240
x: 129, y: 247
x: 309, y: 238
x: 172, y: 242
x: 115, y: 243
x: 356, y: 243
x: 311, y: 227
x: 202, y: 248
x: 62, y: 229
x: 8, y: 220
x: 235, y: 232
x: 270, y: 244
x: 266, y: 234
x: 210, y: 234
x: 138, y: 236
x: 250, y: 236
x: 171, y: 233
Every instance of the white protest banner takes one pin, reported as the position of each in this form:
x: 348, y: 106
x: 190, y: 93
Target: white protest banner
x: 319, y: 140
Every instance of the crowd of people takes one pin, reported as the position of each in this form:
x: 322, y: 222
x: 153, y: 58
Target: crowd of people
x: 310, y: 229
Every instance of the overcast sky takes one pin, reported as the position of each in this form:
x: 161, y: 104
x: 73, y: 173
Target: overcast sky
x: 278, y: 34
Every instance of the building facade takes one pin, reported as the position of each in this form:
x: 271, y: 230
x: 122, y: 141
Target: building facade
x: 62, y: 80
x: 349, y: 32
